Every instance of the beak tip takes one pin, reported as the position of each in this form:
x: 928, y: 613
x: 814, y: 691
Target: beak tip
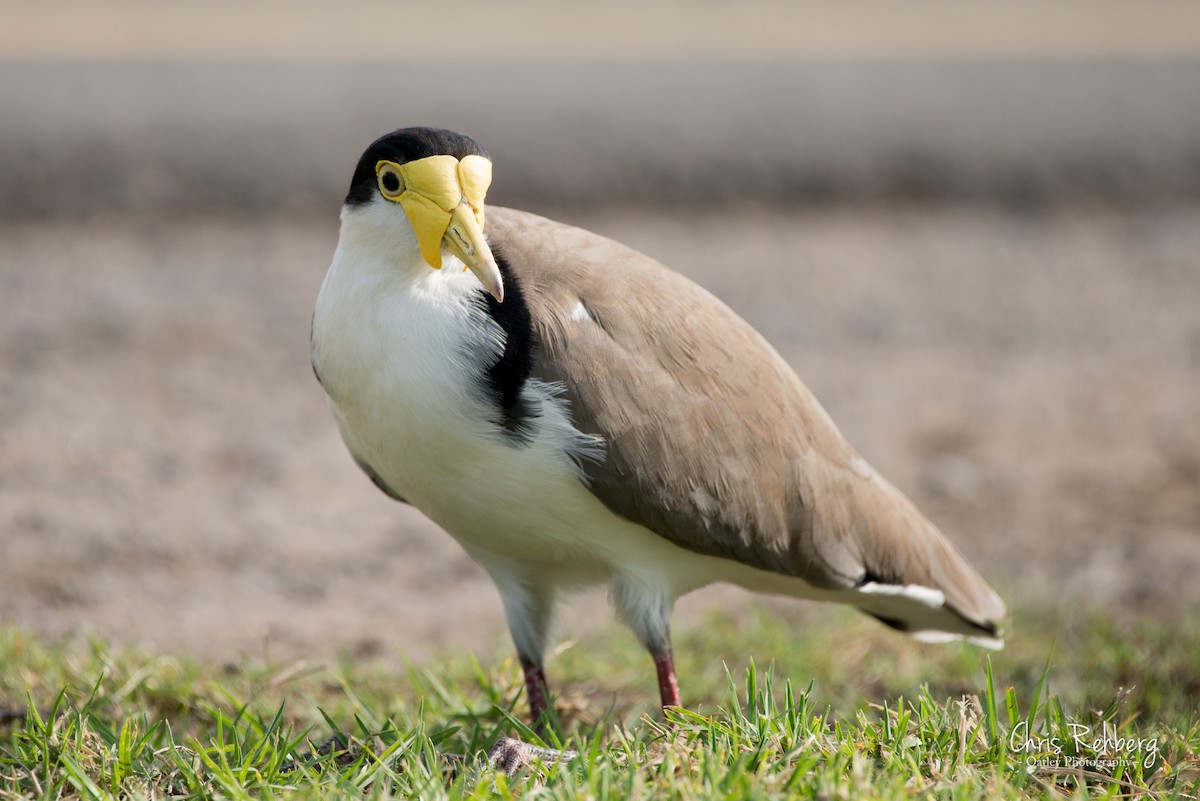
x: 489, y: 275
x: 494, y: 286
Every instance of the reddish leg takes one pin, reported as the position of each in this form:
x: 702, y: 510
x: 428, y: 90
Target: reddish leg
x: 535, y: 688
x: 668, y: 685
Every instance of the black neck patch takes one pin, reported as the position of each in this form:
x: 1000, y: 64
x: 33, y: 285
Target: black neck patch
x: 506, y: 378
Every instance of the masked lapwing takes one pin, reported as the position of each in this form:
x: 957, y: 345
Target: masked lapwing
x: 575, y: 414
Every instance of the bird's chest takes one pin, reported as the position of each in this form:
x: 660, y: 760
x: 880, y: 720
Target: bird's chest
x: 405, y: 378
x: 404, y: 374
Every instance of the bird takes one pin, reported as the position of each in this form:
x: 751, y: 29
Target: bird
x: 576, y: 414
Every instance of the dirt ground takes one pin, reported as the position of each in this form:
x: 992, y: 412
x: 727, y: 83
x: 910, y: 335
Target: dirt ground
x: 169, y: 475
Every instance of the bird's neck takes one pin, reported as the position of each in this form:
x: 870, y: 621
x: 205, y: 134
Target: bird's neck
x: 377, y: 257
x: 376, y: 251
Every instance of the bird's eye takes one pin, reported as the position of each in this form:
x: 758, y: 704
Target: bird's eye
x: 391, y: 184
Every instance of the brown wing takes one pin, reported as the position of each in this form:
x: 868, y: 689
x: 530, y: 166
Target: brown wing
x: 712, y: 440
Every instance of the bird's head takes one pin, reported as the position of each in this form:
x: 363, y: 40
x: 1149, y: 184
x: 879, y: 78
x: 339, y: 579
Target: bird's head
x: 432, y: 181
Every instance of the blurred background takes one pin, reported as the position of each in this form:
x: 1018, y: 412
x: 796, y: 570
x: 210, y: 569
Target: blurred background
x: 972, y: 227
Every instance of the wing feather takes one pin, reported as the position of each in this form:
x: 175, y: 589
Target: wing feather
x: 712, y: 441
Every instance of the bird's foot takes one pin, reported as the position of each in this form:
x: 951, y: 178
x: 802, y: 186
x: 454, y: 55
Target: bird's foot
x: 343, y: 751
x: 513, y: 756
x: 508, y: 755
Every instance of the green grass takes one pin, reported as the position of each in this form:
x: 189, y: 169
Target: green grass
x: 834, y: 707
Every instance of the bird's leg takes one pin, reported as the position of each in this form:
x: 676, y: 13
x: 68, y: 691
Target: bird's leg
x: 645, y: 606
x: 529, y: 606
x: 535, y: 688
x: 668, y: 685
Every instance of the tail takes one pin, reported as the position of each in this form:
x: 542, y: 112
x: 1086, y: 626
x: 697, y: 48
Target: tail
x: 915, y: 581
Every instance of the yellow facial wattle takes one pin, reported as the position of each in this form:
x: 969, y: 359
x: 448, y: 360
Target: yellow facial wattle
x: 433, y: 189
x: 443, y: 199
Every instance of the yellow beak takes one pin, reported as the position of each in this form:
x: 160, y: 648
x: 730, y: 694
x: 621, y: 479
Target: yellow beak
x: 443, y: 199
x: 464, y: 238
